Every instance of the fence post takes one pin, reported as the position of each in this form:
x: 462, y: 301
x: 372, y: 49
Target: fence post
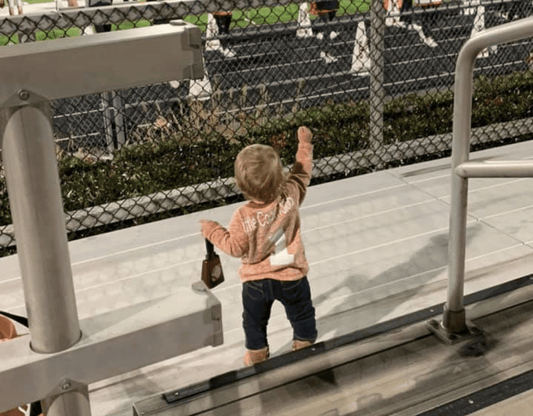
x: 377, y: 72
x: 107, y: 99
x: 113, y: 109
x: 244, y: 97
x: 120, y: 129
x: 216, y: 96
x: 262, y: 104
x: 299, y: 90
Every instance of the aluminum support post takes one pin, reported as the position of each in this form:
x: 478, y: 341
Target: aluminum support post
x: 69, y: 398
x: 70, y: 404
x: 36, y: 207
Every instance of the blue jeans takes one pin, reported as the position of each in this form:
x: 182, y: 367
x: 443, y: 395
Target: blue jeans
x: 257, y: 299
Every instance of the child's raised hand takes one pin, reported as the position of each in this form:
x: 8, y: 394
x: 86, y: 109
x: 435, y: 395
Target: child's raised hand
x: 304, y: 134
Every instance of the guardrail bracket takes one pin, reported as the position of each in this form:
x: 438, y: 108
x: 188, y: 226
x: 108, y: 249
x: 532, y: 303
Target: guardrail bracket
x: 469, y: 331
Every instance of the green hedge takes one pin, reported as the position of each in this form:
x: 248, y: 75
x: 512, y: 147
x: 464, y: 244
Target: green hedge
x: 338, y: 128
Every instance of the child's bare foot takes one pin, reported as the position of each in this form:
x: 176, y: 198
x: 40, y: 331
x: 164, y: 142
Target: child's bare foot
x: 304, y: 134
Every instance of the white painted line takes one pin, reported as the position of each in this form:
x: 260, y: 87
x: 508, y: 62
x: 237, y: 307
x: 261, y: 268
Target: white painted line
x: 369, y: 215
x: 430, y: 179
x: 351, y: 253
x: 129, y: 277
x: 508, y: 212
x: 352, y: 196
x: 135, y: 249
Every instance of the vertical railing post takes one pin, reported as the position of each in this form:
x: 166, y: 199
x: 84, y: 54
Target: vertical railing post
x: 377, y: 73
x: 454, y: 325
x: 36, y: 206
x: 454, y: 313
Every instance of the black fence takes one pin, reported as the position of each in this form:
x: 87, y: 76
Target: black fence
x: 373, y: 81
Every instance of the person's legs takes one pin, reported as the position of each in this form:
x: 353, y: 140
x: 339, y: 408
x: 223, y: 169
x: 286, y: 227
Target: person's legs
x: 420, y: 25
x: 325, y: 34
x: 223, y: 21
x: 101, y: 3
x: 296, y: 298
x: 257, y: 304
x: 407, y: 6
x: 318, y: 28
x: 159, y: 21
x: 332, y: 34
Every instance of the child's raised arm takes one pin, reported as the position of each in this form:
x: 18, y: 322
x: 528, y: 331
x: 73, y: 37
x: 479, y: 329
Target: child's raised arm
x: 303, y: 165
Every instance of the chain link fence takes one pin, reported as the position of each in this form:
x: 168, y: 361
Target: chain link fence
x: 373, y: 80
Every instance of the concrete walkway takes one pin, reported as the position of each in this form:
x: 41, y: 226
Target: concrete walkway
x: 377, y: 247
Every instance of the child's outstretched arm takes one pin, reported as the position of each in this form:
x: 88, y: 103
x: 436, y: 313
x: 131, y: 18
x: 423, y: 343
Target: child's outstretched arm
x: 232, y: 241
x: 301, y: 171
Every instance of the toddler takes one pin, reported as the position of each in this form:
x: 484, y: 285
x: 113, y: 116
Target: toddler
x: 265, y: 235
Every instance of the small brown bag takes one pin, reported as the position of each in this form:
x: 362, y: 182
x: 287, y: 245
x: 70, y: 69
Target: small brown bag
x: 212, y: 274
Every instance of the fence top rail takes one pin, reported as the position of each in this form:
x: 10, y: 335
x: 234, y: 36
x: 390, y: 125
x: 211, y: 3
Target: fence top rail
x: 118, y: 13
x: 46, y: 20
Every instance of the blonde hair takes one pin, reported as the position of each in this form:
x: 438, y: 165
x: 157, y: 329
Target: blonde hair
x: 259, y: 173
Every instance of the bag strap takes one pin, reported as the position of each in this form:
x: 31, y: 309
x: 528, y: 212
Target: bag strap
x: 20, y: 319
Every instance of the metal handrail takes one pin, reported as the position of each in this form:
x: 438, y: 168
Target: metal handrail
x: 26, y: 140
x: 454, y: 321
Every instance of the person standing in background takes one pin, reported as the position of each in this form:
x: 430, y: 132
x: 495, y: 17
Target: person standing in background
x: 325, y: 12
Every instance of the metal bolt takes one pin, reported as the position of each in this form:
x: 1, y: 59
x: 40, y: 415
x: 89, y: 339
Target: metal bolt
x: 434, y: 323
x: 66, y: 386
x: 24, y: 95
x: 177, y: 393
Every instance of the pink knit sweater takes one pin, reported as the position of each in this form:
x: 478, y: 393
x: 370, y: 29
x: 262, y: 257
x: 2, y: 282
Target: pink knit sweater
x: 266, y: 237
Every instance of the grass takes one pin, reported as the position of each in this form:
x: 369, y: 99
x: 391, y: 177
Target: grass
x: 241, y: 19
x: 277, y: 14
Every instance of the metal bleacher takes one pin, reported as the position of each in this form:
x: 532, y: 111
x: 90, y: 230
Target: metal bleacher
x: 378, y: 251
x: 377, y: 246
